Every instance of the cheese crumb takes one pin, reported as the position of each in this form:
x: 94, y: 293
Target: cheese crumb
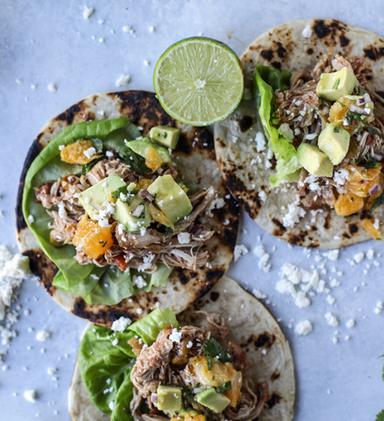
x: 307, y: 31
x: 264, y: 258
x: 379, y: 307
x: 332, y: 254
x: 42, y: 335
x: 184, y: 238
x: 240, y: 250
x: 303, y: 328
x: 358, y: 257
x: 90, y: 152
x: 331, y: 319
x: 88, y: 12
x: 30, y: 395
x: 52, y: 87
x: 350, y: 323
x: 175, y: 336
x: 123, y: 80
x: 293, y: 215
x: 121, y: 324
x: 260, y: 142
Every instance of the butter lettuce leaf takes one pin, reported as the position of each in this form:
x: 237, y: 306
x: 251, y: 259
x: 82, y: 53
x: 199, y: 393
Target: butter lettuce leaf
x: 287, y: 164
x: 77, y: 279
x: 106, y: 360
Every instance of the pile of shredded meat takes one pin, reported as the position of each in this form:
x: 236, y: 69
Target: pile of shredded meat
x: 166, y: 362
x: 135, y: 250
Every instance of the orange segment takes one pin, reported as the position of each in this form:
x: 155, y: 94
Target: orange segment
x: 369, y: 227
x: 93, y: 239
x: 152, y: 159
x: 363, y: 180
x: 338, y: 111
x: 74, y: 152
x: 348, y: 204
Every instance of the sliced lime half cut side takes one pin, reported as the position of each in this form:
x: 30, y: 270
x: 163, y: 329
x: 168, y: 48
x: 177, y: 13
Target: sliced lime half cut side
x: 198, y: 81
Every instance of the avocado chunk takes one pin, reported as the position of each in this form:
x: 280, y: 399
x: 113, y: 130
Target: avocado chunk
x: 334, y: 142
x: 314, y: 161
x: 133, y: 216
x: 170, y: 198
x: 214, y: 401
x: 96, y: 197
x: 141, y: 146
x: 167, y: 136
x: 169, y: 398
x: 333, y: 86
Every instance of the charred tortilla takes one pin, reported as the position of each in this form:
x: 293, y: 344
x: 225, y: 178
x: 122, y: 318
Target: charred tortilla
x: 194, y: 155
x: 254, y: 328
x: 293, y: 46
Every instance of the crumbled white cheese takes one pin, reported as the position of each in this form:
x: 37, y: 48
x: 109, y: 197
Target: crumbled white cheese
x: 332, y: 254
x: 258, y: 294
x: 189, y: 344
x: 350, y: 323
x: 331, y: 300
x: 138, y: 211
x: 121, y: 324
x: 379, y: 307
x: 240, y: 250
x: 184, y: 238
x: 175, y: 336
x: 340, y: 177
x: 139, y: 281
x: 293, y: 214
x: 88, y: 12
x: 264, y: 257
x: 123, y: 80
x: 90, y: 152
x: 331, y: 319
x: 307, y: 31
x: 260, y: 142
x: 303, y: 328
x: 146, y: 62
x: 370, y: 254
x: 61, y: 210
x: 262, y: 195
x: 42, y: 335
x: 151, y: 29
x: 30, y: 395
x: 128, y: 29
x: 52, y: 87
x: 217, y: 203
x: 359, y: 257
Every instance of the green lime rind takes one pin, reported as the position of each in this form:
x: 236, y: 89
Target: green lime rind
x: 198, y: 81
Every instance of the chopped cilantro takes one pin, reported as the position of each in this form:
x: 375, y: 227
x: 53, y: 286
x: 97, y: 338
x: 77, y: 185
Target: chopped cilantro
x: 369, y: 164
x: 224, y: 387
x: 351, y: 116
x: 213, y: 349
x: 87, y: 167
x: 117, y: 192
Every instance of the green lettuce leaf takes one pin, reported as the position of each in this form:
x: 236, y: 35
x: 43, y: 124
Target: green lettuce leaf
x: 48, y: 167
x: 106, y: 359
x: 287, y: 165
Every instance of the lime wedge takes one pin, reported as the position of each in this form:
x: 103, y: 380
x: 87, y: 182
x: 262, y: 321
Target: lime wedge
x: 198, y: 81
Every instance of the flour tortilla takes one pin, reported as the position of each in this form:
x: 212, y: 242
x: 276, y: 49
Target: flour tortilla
x: 286, y: 47
x: 255, y: 329
x: 195, y: 158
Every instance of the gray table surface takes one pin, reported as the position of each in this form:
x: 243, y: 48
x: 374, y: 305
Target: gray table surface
x: 49, y: 41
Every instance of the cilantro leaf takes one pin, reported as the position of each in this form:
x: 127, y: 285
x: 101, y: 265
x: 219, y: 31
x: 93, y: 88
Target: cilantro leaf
x: 213, y: 349
x: 224, y: 387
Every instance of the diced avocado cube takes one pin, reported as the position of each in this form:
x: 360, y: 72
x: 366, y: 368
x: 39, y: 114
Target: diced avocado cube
x: 170, y: 198
x: 212, y: 400
x: 314, y: 161
x: 334, y: 142
x: 167, y: 136
x: 141, y: 145
x: 95, y: 198
x: 169, y: 398
x: 133, y: 216
x: 332, y: 86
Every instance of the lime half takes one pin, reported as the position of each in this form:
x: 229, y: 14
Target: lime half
x: 198, y: 81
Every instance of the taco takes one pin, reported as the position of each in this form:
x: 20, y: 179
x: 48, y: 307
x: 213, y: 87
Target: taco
x: 121, y: 209
x: 304, y: 152
x: 224, y: 359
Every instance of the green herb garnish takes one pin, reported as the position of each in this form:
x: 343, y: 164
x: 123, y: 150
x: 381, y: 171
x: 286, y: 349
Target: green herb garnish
x: 224, y: 387
x: 214, y: 350
x: 351, y: 116
x: 369, y: 164
x: 87, y: 167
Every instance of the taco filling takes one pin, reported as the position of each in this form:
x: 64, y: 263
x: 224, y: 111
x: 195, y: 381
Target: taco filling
x: 112, y: 211
x: 325, y: 130
x: 157, y: 369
